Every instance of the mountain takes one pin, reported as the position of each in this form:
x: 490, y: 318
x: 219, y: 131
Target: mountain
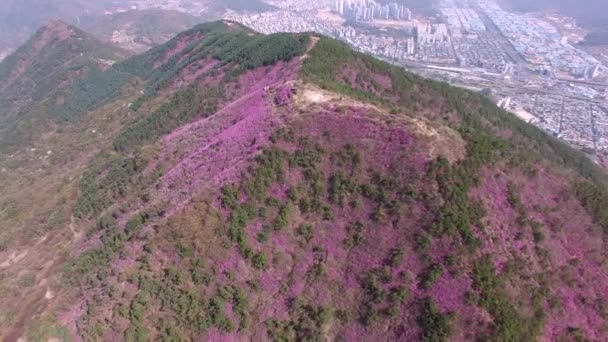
x: 57, y: 57
x: 139, y: 30
x: 237, y: 186
x: 19, y: 19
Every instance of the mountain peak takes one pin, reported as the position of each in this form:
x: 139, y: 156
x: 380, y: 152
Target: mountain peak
x: 57, y: 23
x: 51, y: 59
x: 56, y: 29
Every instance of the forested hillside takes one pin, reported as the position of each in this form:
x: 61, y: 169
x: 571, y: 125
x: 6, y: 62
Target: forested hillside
x: 229, y: 185
x: 34, y: 79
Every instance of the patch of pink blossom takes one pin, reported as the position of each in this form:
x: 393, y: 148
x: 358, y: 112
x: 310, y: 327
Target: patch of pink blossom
x: 180, y: 46
x: 450, y: 292
x: 216, y: 335
x: 283, y: 95
x: 569, y: 234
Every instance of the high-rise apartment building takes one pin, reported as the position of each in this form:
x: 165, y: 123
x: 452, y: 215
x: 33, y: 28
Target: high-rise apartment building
x: 368, y: 10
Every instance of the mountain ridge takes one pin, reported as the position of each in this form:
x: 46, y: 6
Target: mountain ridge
x: 36, y: 75
x: 284, y: 187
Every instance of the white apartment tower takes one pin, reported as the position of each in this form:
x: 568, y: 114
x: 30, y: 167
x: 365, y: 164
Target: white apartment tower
x: 340, y: 6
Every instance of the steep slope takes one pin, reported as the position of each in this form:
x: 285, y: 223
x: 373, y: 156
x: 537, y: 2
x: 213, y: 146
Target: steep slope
x: 284, y: 187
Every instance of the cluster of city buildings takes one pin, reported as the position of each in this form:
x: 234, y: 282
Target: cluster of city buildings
x: 283, y: 21
x: 369, y: 10
x: 345, y: 32
x: 428, y: 33
x: 581, y: 123
x: 541, y: 44
x: 434, y: 44
x: 463, y: 21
